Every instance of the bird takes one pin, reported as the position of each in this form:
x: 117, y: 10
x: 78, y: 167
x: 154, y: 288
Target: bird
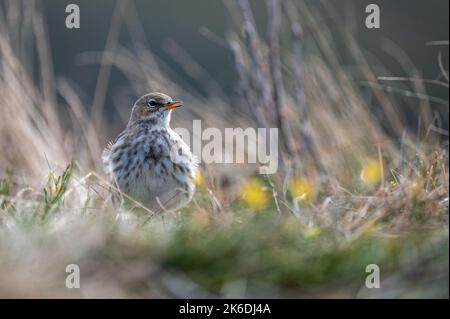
x: 149, y: 161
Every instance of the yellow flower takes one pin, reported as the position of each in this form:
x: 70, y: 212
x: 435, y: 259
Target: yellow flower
x: 302, y: 189
x: 372, y: 172
x: 312, y: 233
x: 393, y: 184
x: 198, y: 179
x: 254, y: 194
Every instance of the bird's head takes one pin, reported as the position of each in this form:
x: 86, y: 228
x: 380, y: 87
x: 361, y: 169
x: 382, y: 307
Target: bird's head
x: 154, y: 108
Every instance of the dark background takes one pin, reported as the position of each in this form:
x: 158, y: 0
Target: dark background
x: 410, y: 24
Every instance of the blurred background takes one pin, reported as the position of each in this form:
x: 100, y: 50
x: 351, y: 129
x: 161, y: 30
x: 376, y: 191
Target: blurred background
x: 406, y: 26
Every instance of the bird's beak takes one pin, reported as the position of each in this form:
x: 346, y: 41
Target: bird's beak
x: 171, y: 105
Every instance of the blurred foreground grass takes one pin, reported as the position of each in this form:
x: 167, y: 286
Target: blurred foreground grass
x: 239, y: 251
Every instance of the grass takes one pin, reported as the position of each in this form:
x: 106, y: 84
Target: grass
x: 349, y: 192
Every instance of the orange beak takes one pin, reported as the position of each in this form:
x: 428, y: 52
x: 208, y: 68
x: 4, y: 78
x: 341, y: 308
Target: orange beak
x: 172, y: 105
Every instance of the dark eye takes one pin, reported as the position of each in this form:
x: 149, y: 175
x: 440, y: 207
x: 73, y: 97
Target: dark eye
x: 152, y: 103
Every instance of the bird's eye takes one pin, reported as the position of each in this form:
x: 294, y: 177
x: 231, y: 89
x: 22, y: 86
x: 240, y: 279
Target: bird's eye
x: 152, y: 103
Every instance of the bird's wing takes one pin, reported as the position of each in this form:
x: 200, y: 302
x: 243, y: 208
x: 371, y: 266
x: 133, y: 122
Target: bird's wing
x: 107, y: 153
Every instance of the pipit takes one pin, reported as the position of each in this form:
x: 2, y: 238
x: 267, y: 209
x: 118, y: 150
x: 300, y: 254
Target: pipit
x: 148, y: 161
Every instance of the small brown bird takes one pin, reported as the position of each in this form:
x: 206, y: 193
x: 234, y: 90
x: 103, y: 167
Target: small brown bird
x: 149, y: 161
